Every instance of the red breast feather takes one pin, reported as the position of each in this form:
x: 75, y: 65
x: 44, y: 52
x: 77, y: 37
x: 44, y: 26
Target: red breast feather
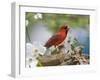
x: 56, y: 39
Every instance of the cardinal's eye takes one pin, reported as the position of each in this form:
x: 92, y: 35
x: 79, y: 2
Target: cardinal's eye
x: 65, y: 27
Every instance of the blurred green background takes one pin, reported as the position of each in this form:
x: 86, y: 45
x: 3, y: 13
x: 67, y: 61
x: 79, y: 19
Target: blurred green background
x: 53, y: 21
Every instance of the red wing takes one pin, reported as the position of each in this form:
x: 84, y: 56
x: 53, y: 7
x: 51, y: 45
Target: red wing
x: 53, y: 40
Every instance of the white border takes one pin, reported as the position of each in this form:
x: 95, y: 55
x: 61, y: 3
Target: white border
x: 18, y: 62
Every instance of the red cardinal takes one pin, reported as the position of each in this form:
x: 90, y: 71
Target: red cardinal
x: 58, y: 37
